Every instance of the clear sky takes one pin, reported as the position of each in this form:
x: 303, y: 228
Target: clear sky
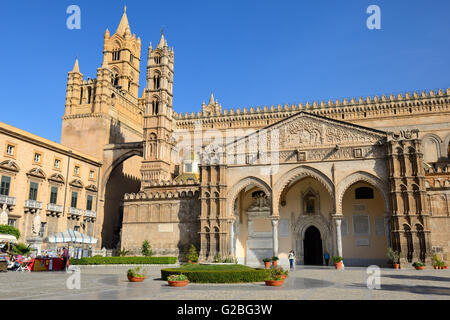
x: 249, y: 53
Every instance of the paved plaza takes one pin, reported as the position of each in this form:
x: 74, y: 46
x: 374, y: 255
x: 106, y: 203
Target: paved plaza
x: 305, y: 283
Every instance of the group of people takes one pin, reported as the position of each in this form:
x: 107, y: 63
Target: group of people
x: 19, y: 262
x: 291, y: 258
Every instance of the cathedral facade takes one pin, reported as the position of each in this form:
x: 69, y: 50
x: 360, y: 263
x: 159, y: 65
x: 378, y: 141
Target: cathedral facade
x: 348, y: 178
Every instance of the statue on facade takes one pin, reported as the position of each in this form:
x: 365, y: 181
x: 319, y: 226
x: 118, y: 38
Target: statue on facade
x: 36, y: 226
x: 4, y: 215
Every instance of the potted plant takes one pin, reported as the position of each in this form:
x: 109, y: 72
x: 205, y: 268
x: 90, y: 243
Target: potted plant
x: 419, y: 265
x: 177, y: 280
x: 267, y: 262
x: 192, y: 256
x: 278, y: 271
x: 274, y: 261
x: 394, y: 256
x: 274, y: 281
x: 338, y: 262
x: 135, y: 275
x: 438, y: 264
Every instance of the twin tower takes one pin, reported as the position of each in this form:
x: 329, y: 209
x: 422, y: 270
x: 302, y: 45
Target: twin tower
x: 108, y: 109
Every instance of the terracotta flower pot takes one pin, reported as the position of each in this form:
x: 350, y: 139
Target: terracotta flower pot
x: 267, y: 265
x: 135, y: 279
x: 182, y: 283
x: 419, y: 268
x: 274, y: 283
x: 275, y: 263
x: 338, y: 265
x: 396, y: 265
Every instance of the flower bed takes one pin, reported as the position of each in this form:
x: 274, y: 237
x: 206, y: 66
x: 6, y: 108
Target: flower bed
x: 123, y: 260
x: 218, y: 273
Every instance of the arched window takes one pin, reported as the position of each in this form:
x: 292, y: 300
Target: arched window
x: 155, y: 107
x: 364, y: 193
x: 81, y: 96
x: 115, y: 55
x: 89, y: 94
x: 156, y: 82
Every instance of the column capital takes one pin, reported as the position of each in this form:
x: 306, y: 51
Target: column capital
x: 275, y: 220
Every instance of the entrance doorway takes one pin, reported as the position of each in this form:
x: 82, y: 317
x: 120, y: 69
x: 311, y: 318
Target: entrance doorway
x: 312, y: 247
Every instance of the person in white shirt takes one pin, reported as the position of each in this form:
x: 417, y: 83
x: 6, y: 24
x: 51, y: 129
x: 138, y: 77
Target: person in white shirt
x: 291, y: 258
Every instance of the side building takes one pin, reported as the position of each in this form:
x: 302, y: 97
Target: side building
x: 46, y: 187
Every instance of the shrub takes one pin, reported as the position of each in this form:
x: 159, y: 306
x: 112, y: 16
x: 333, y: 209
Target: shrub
x: 229, y: 260
x: 275, y: 258
x: 6, y: 229
x: 123, y: 260
x: 192, y: 254
x: 337, y: 259
x: 124, y: 252
x: 21, y: 248
x: 418, y: 264
x: 267, y: 260
x: 136, y: 272
x: 146, y: 249
x: 217, y: 257
x: 218, y: 273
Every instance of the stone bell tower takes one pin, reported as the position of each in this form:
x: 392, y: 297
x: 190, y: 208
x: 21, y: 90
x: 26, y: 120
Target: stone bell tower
x: 158, y: 121
x: 106, y: 109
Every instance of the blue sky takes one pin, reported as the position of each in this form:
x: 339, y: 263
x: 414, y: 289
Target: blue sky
x: 249, y: 53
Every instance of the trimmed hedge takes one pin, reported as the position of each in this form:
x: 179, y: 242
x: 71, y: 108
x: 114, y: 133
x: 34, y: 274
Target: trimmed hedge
x: 123, y: 260
x: 203, y: 274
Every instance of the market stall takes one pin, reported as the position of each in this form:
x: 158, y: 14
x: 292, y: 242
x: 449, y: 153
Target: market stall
x: 79, y: 245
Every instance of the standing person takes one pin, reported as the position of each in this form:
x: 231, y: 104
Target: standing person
x: 291, y: 258
x: 65, y: 256
x: 327, y: 258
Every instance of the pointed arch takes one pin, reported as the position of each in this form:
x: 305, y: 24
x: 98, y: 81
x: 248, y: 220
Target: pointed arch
x: 299, y: 173
x: 239, y: 186
x: 362, y: 176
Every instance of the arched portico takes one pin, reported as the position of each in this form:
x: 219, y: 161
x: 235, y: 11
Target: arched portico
x: 249, y: 211
x: 120, y: 166
x: 363, y: 219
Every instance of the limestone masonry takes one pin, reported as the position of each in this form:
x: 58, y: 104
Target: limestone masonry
x: 350, y: 177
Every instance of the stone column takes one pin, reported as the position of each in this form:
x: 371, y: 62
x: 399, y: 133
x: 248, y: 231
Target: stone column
x: 275, y: 236
x: 232, y: 249
x: 338, y: 222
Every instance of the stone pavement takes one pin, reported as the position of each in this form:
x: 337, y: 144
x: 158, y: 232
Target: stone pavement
x: 305, y: 283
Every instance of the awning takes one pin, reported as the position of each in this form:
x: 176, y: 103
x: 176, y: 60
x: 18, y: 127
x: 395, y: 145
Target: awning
x: 71, y: 236
x: 7, y: 238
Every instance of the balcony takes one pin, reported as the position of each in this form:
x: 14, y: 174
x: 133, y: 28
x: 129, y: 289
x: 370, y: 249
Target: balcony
x: 33, y: 205
x: 75, y: 211
x: 54, y: 208
x: 9, y: 201
x: 90, y: 214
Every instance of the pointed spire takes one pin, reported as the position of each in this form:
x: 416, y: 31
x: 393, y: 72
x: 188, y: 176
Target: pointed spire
x: 124, y: 25
x: 107, y: 34
x: 162, y: 42
x: 76, y: 67
x: 211, y: 100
